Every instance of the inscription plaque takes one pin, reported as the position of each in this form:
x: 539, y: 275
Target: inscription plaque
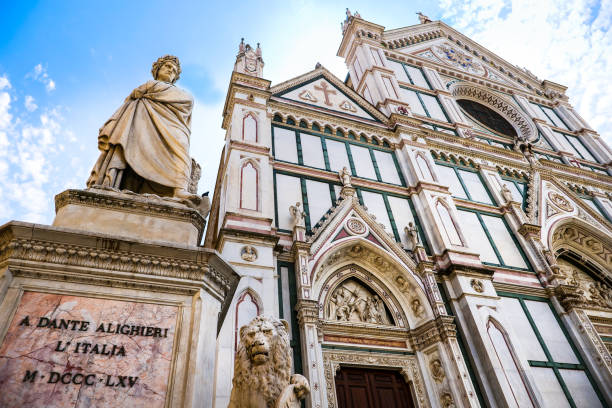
x: 73, y: 351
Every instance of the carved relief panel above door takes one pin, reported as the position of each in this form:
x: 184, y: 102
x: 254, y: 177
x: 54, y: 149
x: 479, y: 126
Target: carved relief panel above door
x: 352, y: 301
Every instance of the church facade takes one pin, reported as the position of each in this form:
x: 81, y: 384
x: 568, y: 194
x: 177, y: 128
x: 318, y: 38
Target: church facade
x: 435, y: 228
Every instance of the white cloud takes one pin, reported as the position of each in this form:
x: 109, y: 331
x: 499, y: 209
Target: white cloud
x: 39, y: 73
x: 4, y: 82
x: 29, y: 103
x: 562, y: 41
x: 30, y: 169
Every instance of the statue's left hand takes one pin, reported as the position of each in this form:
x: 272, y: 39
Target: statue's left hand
x: 139, y: 92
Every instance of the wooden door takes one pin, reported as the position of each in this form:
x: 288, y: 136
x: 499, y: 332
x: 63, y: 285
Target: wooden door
x: 371, y: 388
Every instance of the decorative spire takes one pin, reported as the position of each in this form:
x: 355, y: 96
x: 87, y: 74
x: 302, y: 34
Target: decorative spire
x: 349, y: 17
x: 249, y: 61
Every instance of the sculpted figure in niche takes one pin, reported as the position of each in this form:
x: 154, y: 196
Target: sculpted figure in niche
x: 417, y: 308
x: 437, y: 372
x: 352, y: 302
x: 262, y: 368
x: 403, y: 284
x: 145, y: 144
x: 297, y: 215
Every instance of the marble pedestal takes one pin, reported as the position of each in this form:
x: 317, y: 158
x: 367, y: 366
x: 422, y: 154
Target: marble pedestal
x: 129, y: 215
x: 92, y: 319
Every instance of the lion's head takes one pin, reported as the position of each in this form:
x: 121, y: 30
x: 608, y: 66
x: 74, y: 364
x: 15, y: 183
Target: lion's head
x: 263, y: 359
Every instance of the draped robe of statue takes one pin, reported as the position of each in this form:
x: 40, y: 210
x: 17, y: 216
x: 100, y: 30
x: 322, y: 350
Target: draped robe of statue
x: 145, y: 144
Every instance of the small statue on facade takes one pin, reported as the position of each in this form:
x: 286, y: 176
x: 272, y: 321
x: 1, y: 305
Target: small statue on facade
x: 506, y: 193
x: 423, y: 18
x: 298, y: 215
x: 145, y: 144
x: 412, y: 233
x: 345, y: 177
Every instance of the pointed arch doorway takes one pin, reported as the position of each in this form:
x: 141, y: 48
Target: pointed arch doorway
x: 358, y: 387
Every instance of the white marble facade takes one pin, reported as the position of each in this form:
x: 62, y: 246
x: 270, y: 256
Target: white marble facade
x: 526, y: 275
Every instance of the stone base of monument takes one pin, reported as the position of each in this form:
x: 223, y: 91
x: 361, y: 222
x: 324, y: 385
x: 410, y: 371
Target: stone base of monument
x: 87, y: 319
x: 129, y: 215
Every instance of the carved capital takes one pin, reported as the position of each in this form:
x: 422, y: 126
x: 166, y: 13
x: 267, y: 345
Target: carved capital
x: 433, y: 332
x: 570, y: 297
x: 307, y: 312
x: 530, y: 231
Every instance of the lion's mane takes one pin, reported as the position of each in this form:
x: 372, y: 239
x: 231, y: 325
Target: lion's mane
x: 273, y: 376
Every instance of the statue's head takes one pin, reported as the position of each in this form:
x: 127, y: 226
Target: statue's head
x: 170, y: 69
x: 261, y: 337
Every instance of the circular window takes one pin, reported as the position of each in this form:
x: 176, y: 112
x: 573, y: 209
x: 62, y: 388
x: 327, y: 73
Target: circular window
x: 487, y: 117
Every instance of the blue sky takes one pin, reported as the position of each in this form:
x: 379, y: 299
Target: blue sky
x: 66, y: 66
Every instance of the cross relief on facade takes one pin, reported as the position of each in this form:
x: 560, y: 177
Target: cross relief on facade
x: 326, y: 92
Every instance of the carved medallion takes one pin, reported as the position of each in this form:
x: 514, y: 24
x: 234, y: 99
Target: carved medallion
x: 477, y: 285
x: 248, y: 253
x: 560, y: 201
x: 355, y: 226
x: 447, y: 400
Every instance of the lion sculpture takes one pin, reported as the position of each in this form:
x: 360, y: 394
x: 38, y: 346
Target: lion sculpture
x: 262, y: 368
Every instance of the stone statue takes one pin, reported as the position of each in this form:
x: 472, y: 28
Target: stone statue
x: 423, y: 18
x: 352, y: 302
x: 413, y: 234
x: 262, y: 368
x: 345, y: 177
x: 506, y: 193
x: 145, y: 144
x: 417, y: 308
x: 403, y: 284
x: 298, y: 215
x: 437, y: 372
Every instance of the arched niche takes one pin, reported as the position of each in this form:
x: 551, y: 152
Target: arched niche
x: 423, y: 167
x: 571, y: 238
x: 448, y: 223
x: 249, y: 128
x: 249, y: 185
x: 352, y: 294
x: 248, y: 306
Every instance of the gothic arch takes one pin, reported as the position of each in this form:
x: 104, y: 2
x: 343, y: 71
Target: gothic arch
x: 513, y: 114
x: 249, y: 170
x: 250, y: 126
x: 400, y: 282
x: 504, y: 351
x: 431, y: 176
x: 570, y: 234
x: 444, y: 210
x: 368, y: 281
x: 248, y: 298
